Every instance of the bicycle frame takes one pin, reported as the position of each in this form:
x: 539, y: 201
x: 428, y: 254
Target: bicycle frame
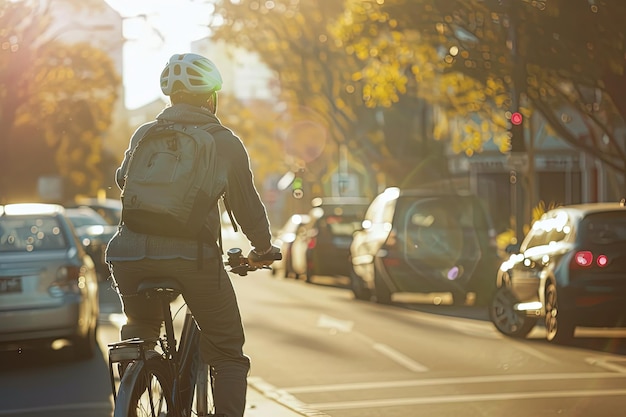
x: 180, y: 368
x: 189, y: 375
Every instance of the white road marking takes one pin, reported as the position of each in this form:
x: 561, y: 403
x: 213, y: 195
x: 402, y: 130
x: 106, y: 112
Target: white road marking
x: 399, y: 358
x: 447, y: 399
x: 335, y: 325
x: 357, y: 386
x: 608, y: 363
x: 283, y: 397
x: 345, y: 326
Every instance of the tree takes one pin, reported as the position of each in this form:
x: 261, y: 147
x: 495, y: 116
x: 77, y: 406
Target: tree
x: 319, y: 82
x: 55, y: 98
x: 478, y: 55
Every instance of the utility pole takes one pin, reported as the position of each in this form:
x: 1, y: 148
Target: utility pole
x: 518, y: 157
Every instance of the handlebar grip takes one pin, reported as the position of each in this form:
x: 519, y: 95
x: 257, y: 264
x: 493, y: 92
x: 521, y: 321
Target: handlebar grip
x: 271, y: 257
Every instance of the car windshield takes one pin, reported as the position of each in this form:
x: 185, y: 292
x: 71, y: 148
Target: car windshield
x: 30, y: 233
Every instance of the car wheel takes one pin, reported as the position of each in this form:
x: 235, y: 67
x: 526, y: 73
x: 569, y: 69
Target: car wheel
x: 507, y: 320
x: 559, y: 328
x: 84, y: 347
x: 360, y: 290
x: 382, y: 292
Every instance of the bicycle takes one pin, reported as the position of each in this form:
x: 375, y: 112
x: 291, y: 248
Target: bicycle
x: 166, y: 382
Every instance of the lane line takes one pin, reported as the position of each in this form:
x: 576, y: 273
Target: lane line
x: 447, y: 399
x: 283, y: 397
x: 345, y: 326
x: 334, y: 324
x: 455, y: 380
x: 606, y: 364
x: 399, y: 358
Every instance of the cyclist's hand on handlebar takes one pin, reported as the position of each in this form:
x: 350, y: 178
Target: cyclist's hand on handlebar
x: 259, y: 258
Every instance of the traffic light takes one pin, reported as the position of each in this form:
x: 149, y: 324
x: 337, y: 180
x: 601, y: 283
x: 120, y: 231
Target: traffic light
x: 516, y: 132
x: 517, y: 118
x: 296, y: 188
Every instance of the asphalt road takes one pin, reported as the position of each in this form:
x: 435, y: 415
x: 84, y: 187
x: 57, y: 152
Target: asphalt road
x: 316, y: 350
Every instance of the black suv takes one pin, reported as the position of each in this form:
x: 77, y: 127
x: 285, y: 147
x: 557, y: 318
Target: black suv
x: 425, y: 241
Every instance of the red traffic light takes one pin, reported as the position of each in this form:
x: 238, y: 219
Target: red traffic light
x: 516, y: 118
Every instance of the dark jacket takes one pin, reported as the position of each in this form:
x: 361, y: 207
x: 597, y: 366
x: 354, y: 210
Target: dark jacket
x: 244, y: 200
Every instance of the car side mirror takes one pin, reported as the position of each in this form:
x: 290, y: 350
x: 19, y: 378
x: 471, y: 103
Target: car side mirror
x: 513, y: 248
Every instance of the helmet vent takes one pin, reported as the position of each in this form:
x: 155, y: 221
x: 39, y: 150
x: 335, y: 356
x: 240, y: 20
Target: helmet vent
x: 191, y: 73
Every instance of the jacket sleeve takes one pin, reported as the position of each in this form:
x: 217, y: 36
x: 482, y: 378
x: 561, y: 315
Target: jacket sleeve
x: 120, y: 173
x: 243, y: 197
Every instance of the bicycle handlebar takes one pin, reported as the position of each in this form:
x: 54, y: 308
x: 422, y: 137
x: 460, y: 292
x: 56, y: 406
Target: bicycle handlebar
x: 240, y: 265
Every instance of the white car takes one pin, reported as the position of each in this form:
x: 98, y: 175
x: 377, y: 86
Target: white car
x: 48, y: 283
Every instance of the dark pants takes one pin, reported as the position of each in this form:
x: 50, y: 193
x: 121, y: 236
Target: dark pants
x: 214, y: 306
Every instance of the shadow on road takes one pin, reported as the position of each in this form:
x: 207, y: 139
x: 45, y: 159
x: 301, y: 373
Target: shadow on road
x: 603, y: 340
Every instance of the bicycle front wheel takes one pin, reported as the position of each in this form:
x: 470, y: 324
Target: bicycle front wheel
x: 145, y: 390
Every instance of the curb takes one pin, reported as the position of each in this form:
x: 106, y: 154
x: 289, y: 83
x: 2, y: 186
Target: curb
x: 266, y: 400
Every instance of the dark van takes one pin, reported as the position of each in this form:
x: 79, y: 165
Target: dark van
x: 425, y: 241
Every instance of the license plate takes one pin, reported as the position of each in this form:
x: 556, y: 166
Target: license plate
x: 10, y: 285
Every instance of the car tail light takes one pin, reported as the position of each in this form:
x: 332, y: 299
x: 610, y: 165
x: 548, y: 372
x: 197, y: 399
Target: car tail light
x: 602, y: 261
x: 69, y: 279
x: 585, y: 259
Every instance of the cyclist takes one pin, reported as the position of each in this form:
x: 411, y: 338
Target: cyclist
x: 191, y: 81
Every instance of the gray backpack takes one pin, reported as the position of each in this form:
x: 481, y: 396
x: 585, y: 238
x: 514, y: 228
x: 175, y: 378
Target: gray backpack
x: 173, y: 181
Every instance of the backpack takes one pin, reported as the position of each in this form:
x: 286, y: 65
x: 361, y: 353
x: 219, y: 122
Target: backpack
x: 173, y: 181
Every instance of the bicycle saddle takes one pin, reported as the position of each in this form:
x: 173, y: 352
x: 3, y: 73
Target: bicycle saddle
x: 161, y: 286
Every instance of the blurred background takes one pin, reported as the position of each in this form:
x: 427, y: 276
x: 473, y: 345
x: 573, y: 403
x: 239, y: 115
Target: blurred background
x: 332, y: 99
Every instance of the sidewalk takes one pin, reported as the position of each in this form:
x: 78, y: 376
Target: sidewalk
x: 264, y: 400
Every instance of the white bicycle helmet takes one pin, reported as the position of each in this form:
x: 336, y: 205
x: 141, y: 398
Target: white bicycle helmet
x: 192, y: 73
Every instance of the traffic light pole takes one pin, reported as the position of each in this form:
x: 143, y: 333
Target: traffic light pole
x: 518, y: 157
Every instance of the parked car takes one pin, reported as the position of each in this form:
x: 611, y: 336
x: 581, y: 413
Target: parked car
x: 48, y: 283
x: 285, y: 238
x: 94, y: 233
x: 323, y: 247
x: 110, y: 209
x: 570, y: 270
x: 424, y: 241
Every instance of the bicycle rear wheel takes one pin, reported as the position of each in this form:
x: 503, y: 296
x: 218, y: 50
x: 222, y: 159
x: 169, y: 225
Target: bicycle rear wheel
x: 145, y: 390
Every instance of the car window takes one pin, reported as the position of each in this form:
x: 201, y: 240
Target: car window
x: 30, y: 233
x: 604, y: 228
x: 434, y: 231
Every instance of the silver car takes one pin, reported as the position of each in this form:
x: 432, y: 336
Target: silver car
x: 48, y: 283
